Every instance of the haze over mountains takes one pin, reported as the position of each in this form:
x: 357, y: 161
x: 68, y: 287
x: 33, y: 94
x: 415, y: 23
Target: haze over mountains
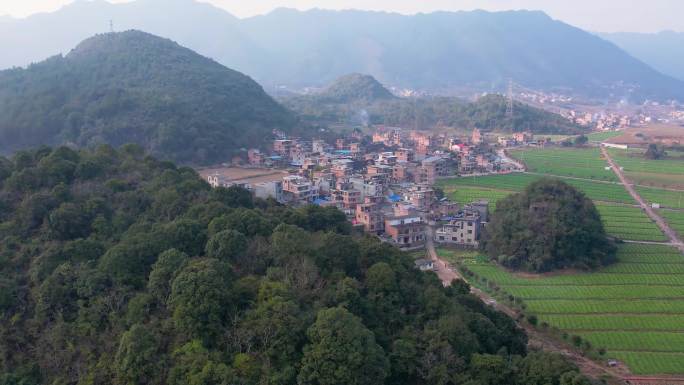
x: 663, y: 51
x: 440, y: 52
x: 133, y: 87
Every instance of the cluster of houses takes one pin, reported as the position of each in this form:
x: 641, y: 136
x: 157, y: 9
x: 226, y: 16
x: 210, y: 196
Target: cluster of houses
x: 383, y: 182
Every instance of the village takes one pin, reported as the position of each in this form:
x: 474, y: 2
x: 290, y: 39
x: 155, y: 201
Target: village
x: 383, y: 181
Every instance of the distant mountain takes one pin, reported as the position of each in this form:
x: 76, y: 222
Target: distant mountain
x: 373, y: 104
x: 663, y: 51
x: 135, y: 87
x: 355, y: 88
x: 441, y: 52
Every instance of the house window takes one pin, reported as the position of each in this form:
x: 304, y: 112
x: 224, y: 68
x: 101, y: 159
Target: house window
x: 470, y: 231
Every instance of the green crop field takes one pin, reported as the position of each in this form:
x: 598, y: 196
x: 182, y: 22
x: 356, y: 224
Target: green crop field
x: 634, y: 161
x: 634, y: 308
x: 675, y: 219
x: 605, y: 135
x: 624, y: 222
x: 597, y: 191
x: 585, y: 163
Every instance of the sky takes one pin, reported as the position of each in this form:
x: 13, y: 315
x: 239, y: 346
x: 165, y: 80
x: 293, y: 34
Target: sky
x: 591, y: 15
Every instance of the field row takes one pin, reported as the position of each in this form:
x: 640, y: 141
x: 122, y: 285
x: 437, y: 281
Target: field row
x: 581, y: 163
x: 542, y: 306
x: 597, y: 191
x: 618, y: 322
x: 505, y: 278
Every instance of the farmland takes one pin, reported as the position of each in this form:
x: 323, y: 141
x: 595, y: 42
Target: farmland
x: 597, y: 191
x: 634, y: 308
x: 584, y: 163
x: 602, y: 136
x: 625, y: 222
x: 662, y: 173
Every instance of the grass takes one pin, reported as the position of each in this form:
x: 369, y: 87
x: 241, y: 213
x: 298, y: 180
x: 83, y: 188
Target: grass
x: 633, y: 308
x: 604, y: 135
x: 675, y: 219
x: 623, y: 222
x: 585, y: 163
x: 597, y: 191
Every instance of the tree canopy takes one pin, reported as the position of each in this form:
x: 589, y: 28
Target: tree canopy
x: 135, y: 87
x: 550, y: 225
x: 117, y: 268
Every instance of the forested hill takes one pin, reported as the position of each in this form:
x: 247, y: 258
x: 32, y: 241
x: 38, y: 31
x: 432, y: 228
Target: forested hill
x: 117, y: 268
x: 135, y: 87
x: 355, y: 88
x: 488, y: 113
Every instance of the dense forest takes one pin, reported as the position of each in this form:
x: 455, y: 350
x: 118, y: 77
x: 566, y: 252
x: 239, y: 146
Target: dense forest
x: 134, y: 87
x: 360, y: 99
x: 550, y: 225
x: 118, y: 268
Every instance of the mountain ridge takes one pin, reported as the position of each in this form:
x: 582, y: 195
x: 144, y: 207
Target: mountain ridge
x: 664, y: 50
x: 440, y: 52
x: 132, y: 86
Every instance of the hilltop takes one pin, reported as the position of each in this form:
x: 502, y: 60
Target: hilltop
x: 437, y: 52
x: 355, y: 88
x: 361, y: 99
x: 136, y: 87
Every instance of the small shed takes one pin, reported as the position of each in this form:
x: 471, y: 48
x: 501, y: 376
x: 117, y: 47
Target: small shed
x: 424, y: 264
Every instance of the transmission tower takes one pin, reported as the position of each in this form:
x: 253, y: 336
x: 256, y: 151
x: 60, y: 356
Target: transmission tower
x: 509, y: 99
x: 111, y: 26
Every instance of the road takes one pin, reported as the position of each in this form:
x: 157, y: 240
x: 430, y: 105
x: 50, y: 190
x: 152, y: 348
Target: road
x: 664, y: 227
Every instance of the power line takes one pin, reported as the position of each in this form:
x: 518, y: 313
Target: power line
x: 509, y: 99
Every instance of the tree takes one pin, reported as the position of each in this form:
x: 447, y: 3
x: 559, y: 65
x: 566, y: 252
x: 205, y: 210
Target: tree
x: 201, y: 299
x: 539, y: 368
x: 548, y: 226
x: 138, y: 360
x: 341, y: 351
x: 226, y: 245
x: 168, y: 265
x: 655, y: 152
x: 581, y: 140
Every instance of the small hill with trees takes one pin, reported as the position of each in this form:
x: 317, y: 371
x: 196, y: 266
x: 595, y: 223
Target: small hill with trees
x: 360, y: 99
x: 117, y: 268
x: 118, y: 88
x: 550, y: 225
x: 355, y: 88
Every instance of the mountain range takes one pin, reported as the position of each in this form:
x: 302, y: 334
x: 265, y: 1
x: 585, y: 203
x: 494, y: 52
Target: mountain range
x: 132, y: 86
x: 441, y: 52
x: 663, y: 51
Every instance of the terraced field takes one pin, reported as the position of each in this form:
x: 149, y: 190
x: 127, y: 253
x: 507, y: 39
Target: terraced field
x: 634, y: 308
x: 585, y: 163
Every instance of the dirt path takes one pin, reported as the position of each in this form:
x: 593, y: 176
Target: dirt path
x: 664, y: 227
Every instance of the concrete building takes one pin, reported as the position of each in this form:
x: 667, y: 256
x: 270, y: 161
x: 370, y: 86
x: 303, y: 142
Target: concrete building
x: 297, y: 189
x: 463, y: 229
x: 372, y: 218
x: 282, y: 147
x: 405, y: 231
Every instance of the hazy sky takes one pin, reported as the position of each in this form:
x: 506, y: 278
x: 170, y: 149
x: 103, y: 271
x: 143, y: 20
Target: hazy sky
x: 593, y: 15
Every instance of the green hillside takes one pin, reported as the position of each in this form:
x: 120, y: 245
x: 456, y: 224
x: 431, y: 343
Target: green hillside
x: 117, y: 268
x: 358, y: 99
x: 135, y: 87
